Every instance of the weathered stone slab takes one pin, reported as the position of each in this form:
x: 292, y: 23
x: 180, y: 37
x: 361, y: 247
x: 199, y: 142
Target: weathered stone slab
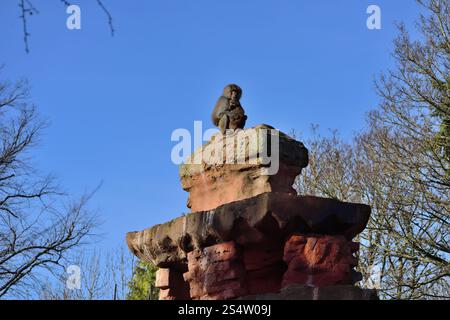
x: 249, y: 221
x: 234, y: 167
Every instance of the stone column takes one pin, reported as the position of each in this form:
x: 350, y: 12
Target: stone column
x: 216, y: 272
x: 171, y: 285
x: 250, y: 235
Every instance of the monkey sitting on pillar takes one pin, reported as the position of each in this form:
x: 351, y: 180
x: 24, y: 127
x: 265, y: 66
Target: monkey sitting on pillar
x: 228, y: 112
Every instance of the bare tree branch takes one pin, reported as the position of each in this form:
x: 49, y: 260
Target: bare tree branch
x: 36, y: 233
x: 28, y: 9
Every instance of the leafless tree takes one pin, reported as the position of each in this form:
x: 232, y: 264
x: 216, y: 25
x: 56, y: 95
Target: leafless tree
x: 103, y: 276
x: 37, y: 232
x: 400, y: 166
x: 410, y: 137
x: 355, y: 172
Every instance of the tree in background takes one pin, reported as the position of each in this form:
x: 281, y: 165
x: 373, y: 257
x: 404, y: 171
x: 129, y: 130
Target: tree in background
x: 142, y: 285
x: 400, y: 166
x: 103, y: 276
x: 409, y: 138
x: 40, y: 234
x: 114, y: 275
x: 38, y: 229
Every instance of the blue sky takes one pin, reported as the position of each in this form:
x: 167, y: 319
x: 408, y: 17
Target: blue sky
x: 113, y: 102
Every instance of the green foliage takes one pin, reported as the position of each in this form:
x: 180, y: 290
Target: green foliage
x: 142, y: 284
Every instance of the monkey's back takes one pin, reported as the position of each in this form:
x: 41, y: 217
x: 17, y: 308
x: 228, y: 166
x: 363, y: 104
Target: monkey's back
x: 220, y: 107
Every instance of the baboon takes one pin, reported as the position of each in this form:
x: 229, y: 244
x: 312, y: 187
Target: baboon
x: 228, y: 112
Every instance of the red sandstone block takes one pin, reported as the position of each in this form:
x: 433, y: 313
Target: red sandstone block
x: 317, y: 251
x: 217, y: 253
x: 196, y: 290
x: 162, y: 278
x: 237, y: 286
x: 194, y: 255
x: 299, y: 262
x: 294, y: 247
x: 171, y: 285
x: 221, y: 252
x: 265, y: 280
x: 255, y: 259
x: 320, y: 261
x: 226, y: 294
x: 216, y: 275
x: 224, y: 290
x: 215, y: 270
x: 329, y: 279
x: 219, y: 266
x: 341, y: 268
x: 193, y: 274
x: 164, y: 294
x: 194, y: 258
x: 297, y: 239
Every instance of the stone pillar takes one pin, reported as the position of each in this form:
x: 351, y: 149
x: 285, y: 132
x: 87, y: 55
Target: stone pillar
x: 216, y: 273
x: 250, y: 235
x: 264, y: 266
x: 171, y: 285
x: 320, y: 261
x: 292, y: 269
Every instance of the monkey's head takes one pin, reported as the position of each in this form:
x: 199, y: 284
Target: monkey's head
x: 232, y: 91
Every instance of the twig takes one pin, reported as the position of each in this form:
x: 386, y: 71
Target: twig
x: 110, y: 20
